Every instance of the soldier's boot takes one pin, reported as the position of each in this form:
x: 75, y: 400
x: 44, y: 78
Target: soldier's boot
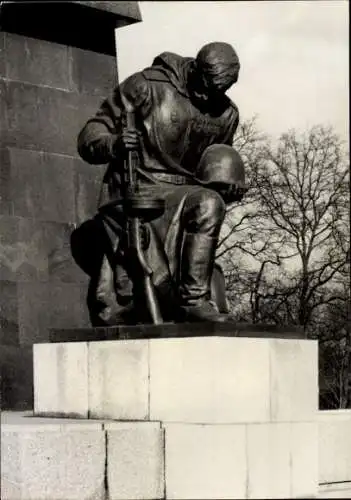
x: 198, y: 256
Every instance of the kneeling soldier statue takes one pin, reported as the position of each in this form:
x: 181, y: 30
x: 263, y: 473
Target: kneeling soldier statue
x: 166, y: 134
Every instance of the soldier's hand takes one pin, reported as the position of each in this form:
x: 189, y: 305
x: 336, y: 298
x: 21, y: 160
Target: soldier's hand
x: 129, y: 139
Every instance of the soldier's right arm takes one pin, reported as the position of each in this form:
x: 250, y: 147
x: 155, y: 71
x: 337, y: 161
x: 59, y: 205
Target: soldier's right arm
x: 99, y: 137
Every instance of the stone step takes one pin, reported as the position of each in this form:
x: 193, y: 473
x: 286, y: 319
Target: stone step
x: 335, y: 447
x: 71, y: 459
x: 335, y: 490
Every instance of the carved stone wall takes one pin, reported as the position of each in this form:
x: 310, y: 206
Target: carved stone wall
x: 47, y: 92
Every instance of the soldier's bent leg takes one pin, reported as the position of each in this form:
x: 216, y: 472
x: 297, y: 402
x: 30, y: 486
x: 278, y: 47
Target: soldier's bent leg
x: 203, y: 212
x: 202, y: 218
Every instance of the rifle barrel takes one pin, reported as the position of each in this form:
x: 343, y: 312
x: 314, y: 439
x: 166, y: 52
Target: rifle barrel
x: 134, y: 228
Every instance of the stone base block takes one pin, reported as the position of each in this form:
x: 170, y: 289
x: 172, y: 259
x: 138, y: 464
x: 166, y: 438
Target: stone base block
x: 213, y: 380
x: 205, y: 461
x: 68, y: 459
x: 50, y: 461
x: 217, y: 380
x: 61, y: 379
x: 233, y: 380
x: 135, y: 460
x: 16, y: 377
x: 118, y: 383
x: 334, y: 446
x: 335, y: 490
x: 241, y: 461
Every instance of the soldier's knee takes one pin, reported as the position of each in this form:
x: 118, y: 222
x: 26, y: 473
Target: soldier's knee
x: 211, y: 204
x: 205, y: 211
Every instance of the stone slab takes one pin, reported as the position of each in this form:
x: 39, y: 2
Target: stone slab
x: 241, y: 461
x: 44, y: 119
x: 9, y: 329
x: 334, y: 446
x: 335, y: 490
x: 117, y: 8
x: 268, y: 459
x: 34, y: 250
x: 46, y: 21
x: 2, y: 54
x: 37, y: 61
x: 205, y: 461
x: 61, y: 265
x: 209, y: 380
x: 135, y: 461
x: 22, y: 255
x: 128, y: 458
x: 44, y: 304
x: 118, y: 380
x: 99, y: 82
x: 42, y: 183
x: 87, y: 185
x: 52, y: 465
x: 28, y: 421
x: 61, y: 379
x: 282, y: 460
x: 304, y: 459
x: 16, y: 377
x: 152, y: 460
x: 293, y: 380
x: 6, y: 201
x: 218, y: 380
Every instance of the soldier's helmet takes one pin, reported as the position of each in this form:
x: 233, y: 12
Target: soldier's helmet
x: 221, y: 168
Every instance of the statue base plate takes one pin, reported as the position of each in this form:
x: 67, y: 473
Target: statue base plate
x: 175, y: 330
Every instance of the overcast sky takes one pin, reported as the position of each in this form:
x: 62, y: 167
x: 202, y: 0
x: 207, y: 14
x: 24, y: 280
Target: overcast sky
x: 293, y: 54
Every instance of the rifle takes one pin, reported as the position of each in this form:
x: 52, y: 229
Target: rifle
x: 138, y: 210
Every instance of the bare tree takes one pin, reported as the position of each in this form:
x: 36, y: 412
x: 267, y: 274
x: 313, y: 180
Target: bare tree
x: 238, y: 230
x: 301, y: 208
x: 286, y: 248
x: 333, y: 327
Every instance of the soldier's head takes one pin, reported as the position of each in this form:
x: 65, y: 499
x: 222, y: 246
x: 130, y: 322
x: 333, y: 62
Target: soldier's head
x: 216, y: 70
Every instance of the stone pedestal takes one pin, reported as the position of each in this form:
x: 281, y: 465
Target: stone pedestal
x: 213, y: 380
x: 237, y: 415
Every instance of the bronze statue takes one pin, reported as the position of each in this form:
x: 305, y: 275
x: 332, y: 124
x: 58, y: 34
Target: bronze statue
x: 170, y: 175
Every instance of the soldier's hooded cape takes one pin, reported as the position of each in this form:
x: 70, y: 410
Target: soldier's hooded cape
x: 175, y: 132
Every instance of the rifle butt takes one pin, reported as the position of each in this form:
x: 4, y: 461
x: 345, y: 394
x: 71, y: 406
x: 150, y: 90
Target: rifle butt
x: 152, y: 302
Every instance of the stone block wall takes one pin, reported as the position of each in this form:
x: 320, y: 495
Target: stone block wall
x: 47, y: 92
x: 85, y: 459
